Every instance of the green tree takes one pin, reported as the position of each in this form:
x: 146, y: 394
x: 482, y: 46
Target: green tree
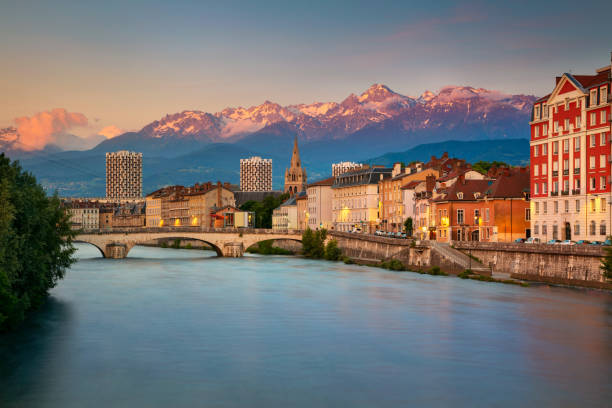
x: 408, y: 226
x: 332, y: 252
x: 313, y: 243
x: 35, y: 243
x: 263, y: 209
x: 606, y: 263
x: 484, y: 166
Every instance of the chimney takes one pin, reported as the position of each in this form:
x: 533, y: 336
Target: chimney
x: 397, y: 169
x: 430, y: 182
x: 461, y: 179
x: 218, y: 194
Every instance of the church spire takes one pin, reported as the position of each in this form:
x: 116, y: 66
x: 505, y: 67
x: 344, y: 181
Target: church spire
x: 295, y: 157
x: 295, y: 175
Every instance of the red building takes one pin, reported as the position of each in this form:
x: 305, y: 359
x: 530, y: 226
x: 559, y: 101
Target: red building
x: 570, y: 159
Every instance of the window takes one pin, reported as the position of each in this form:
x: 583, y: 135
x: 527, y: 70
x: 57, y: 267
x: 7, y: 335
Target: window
x: 593, y: 205
x: 556, y: 126
x: 535, y: 151
x: 545, y: 129
x: 536, y: 131
x: 565, y: 185
x: 576, y: 228
x: 544, y: 232
x: 602, y: 139
x: 567, y: 104
x: 459, y: 216
x: 592, y: 162
x: 556, y: 207
x: 536, y: 170
x: 486, y: 214
x: 603, y: 204
x: 593, y: 183
x: 527, y: 214
x: 544, y: 169
x: 577, y: 143
x: 577, y: 124
x: 535, y: 188
x: 536, y: 113
x: 592, y: 227
x: 602, y: 182
x: 555, y: 147
x: 566, y: 146
x: 602, y: 161
x: 593, y: 141
x: 577, y: 163
x: 566, y: 206
x: 603, y: 94
x: 555, y: 232
x: 537, y: 207
x: 544, y: 188
x: 604, y: 116
x: 544, y: 207
x: 544, y: 149
x: 602, y: 228
x: 593, y: 97
x: 566, y: 164
x: 556, y: 186
x: 545, y: 111
x: 536, y: 229
x: 555, y: 166
x: 566, y: 125
x: 593, y: 119
x: 577, y: 206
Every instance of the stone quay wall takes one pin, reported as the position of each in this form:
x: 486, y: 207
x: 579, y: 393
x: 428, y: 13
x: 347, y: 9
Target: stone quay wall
x: 577, y: 265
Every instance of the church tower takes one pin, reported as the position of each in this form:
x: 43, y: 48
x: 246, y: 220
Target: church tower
x: 295, y: 176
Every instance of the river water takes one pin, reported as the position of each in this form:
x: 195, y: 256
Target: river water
x: 178, y: 328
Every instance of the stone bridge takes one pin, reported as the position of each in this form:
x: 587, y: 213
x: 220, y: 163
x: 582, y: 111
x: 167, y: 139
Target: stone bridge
x: 229, y: 242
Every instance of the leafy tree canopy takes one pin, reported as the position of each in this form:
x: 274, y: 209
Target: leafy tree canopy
x: 35, y: 243
x: 484, y: 166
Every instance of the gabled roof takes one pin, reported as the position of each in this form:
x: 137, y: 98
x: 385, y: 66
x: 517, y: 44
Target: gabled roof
x: 512, y: 184
x: 412, y: 184
x: 464, y: 191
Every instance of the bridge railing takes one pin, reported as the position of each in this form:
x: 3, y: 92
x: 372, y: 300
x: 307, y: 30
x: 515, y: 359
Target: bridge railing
x: 194, y: 229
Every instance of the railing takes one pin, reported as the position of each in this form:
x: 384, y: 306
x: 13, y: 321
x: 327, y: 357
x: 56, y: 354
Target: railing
x: 554, y: 193
x: 136, y: 230
x: 576, y: 191
x: 577, y: 171
x: 565, y: 172
x: 555, y: 173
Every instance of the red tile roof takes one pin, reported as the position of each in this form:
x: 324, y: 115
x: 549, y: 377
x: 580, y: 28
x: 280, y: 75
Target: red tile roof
x: 325, y: 182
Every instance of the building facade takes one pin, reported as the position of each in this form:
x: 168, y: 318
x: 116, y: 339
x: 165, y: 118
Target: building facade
x: 343, y: 167
x: 84, y: 215
x: 570, y: 159
x: 295, y: 175
x: 123, y: 174
x: 320, y: 204
x: 355, y: 204
x: 285, y: 216
x: 301, y: 201
x: 255, y: 174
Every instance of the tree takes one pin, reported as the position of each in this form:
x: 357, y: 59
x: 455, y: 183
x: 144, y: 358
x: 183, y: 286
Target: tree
x: 332, y: 252
x: 263, y: 209
x: 408, y: 226
x: 484, y: 166
x: 35, y: 243
x: 606, y: 263
x: 313, y: 243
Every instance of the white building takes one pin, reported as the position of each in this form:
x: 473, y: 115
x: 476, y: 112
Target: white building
x: 320, y: 204
x: 343, y: 167
x: 285, y: 217
x: 123, y: 174
x: 255, y: 174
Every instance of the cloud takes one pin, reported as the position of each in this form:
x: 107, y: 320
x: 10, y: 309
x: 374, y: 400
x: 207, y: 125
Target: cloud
x: 36, y: 131
x: 111, y: 131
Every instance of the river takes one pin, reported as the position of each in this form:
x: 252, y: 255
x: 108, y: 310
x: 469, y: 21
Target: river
x: 180, y: 328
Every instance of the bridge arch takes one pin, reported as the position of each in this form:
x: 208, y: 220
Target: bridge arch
x: 214, y: 246
x: 80, y: 241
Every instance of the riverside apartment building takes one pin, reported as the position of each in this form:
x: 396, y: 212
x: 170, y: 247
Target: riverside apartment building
x: 570, y: 159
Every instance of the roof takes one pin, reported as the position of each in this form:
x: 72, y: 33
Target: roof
x: 361, y: 177
x: 412, y: 184
x: 468, y: 188
x: 301, y: 195
x: 512, y: 184
x: 325, y: 182
x: 290, y: 201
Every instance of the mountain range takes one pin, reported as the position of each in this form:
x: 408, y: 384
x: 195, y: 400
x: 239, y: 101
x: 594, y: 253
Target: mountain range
x: 193, y: 146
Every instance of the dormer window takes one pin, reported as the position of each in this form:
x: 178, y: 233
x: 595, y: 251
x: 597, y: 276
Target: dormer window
x: 604, y: 94
x: 545, y: 111
x: 593, y: 97
x: 477, y: 194
x: 460, y: 196
x: 536, y: 114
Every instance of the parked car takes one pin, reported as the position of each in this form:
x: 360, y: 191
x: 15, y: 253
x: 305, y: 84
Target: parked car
x: 607, y: 242
x: 378, y: 232
x: 398, y: 234
x: 533, y: 240
x: 596, y: 243
x: 403, y: 235
x: 554, y: 242
x: 583, y: 242
x: 568, y: 242
x: 519, y: 240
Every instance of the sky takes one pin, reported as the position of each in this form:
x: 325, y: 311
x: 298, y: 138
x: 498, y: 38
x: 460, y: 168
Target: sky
x: 104, y: 67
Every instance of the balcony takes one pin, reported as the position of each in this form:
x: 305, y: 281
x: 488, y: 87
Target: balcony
x: 565, y: 172
x: 577, y: 171
x: 555, y: 173
x: 554, y: 193
x: 576, y: 191
x: 565, y: 192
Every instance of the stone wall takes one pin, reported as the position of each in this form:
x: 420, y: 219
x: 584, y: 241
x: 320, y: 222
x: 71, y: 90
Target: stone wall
x: 561, y: 264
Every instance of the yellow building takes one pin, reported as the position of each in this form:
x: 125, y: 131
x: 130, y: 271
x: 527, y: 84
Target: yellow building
x: 355, y: 204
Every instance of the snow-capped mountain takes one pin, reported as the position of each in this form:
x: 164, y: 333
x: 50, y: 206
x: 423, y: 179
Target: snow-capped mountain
x: 451, y: 107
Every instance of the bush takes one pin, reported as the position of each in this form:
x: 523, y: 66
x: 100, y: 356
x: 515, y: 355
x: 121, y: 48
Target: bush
x: 164, y: 244
x: 332, y: 252
x: 313, y: 243
x: 436, y: 271
x: 465, y: 274
x: 35, y: 243
x: 267, y: 248
x: 393, y: 264
x: 348, y: 260
x: 176, y: 244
